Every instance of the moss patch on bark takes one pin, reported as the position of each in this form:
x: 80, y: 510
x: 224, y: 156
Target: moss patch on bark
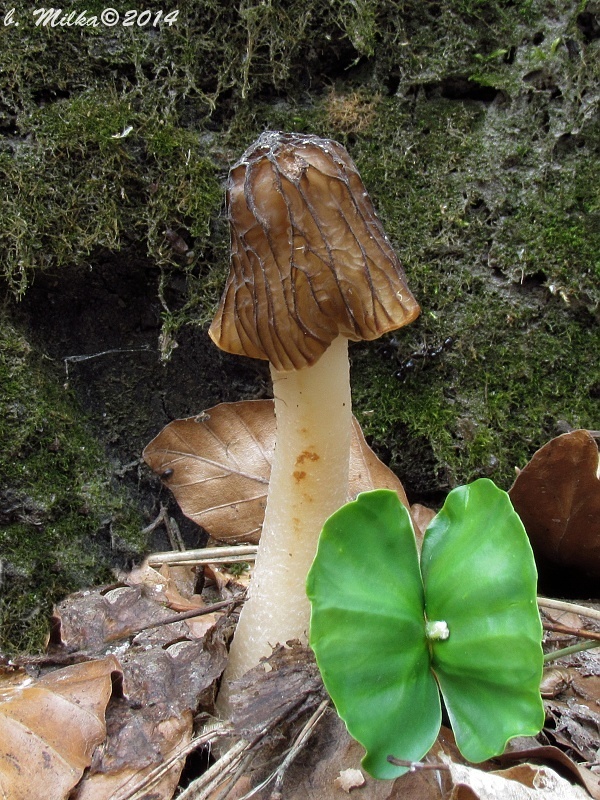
x: 64, y: 520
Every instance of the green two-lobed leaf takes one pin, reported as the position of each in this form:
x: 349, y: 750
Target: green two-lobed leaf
x: 370, y: 603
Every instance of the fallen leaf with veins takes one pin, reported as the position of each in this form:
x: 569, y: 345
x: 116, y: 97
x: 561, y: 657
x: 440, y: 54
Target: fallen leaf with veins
x: 557, y: 495
x: 49, y: 729
x: 218, y: 466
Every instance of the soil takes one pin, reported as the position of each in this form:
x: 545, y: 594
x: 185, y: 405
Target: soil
x: 101, y: 329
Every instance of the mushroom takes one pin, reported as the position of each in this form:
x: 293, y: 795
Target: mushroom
x: 311, y: 267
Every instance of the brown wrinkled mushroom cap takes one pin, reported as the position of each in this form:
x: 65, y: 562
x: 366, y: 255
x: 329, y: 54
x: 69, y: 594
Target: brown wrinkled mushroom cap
x: 309, y: 257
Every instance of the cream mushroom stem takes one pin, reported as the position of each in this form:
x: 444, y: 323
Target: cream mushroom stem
x: 309, y: 481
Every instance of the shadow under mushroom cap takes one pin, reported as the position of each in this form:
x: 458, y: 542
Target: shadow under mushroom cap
x: 309, y: 257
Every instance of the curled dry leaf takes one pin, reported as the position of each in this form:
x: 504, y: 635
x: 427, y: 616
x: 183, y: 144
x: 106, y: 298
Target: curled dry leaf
x: 118, y: 784
x: 525, y: 782
x: 172, y: 585
x: 557, y: 495
x: 92, y: 619
x: 218, y: 466
x: 165, y: 686
x: 49, y: 729
x: 554, y: 756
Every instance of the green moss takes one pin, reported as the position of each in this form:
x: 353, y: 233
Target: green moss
x: 491, y: 198
x: 523, y: 359
x: 63, y: 519
x: 493, y: 209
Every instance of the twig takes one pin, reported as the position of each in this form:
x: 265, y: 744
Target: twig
x: 567, y: 651
x: 301, y: 740
x: 279, y: 773
x: 158, y: 520
x: 172, y: 529
x: 78, y: 656
x: 174, y: 534
x: 561, y: 605
x: 241, y: 767
x: 583, y: 634
x: 76, y: 359
x: 206, y: 555
x: 191, y: 614
x: 206, y: 783
x: 181, y: 752
x: 124, y: 469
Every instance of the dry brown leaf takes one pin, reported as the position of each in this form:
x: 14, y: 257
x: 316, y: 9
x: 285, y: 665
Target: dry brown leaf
x: 574, y: 715
x: 557, y: 495
x: 421, y: 515
x: 165, y: 686
x: 49, y: 729
x: 367, y: 471
x: 549, y: 755
x: 172, y: 585
x: 218, y: 466
x: 91, y: 619
x: 107, y: 784
x: 554, y: 681
x: 525, y: 782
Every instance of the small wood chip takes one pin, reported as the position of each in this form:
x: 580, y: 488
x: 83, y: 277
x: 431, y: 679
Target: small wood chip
x: 349, y: 779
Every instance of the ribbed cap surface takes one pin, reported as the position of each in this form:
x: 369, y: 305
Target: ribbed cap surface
x: 309, y: 257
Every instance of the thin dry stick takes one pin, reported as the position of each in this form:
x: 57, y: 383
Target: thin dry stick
x: 174, y: 534
x: 301, y: 739
x: 194, y: 612
x: 206, y: 555
x: 297, y: 746
x: 172, y: 529
x: 181, y: 752
x: 583, y: 634
x: 240, y: 769
x: 210, y: 780
x: 561, y: 605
